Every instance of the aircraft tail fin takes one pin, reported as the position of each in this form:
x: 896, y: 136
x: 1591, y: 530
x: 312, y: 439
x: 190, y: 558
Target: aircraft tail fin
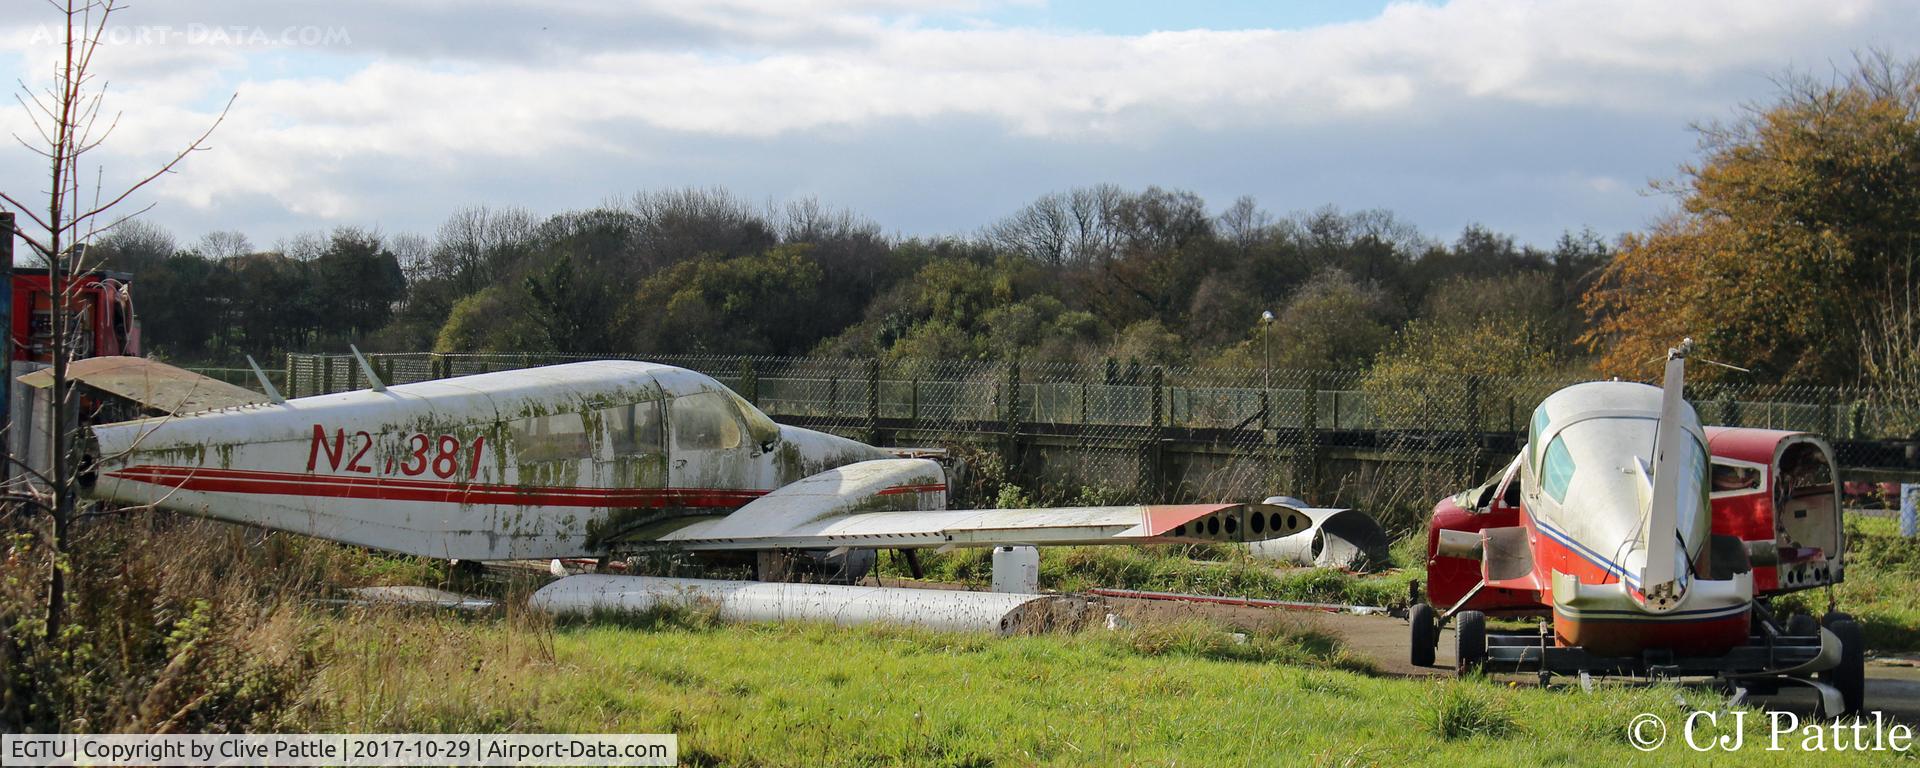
x: 1669, y: 467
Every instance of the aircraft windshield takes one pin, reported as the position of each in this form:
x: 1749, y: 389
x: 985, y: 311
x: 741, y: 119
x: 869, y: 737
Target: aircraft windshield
x: 705, y: 421
x: 763, y: 429
x: 1587, y: 462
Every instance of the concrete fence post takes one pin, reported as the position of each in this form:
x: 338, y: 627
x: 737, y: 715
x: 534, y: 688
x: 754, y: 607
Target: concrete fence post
x: 873, y: 400
x: 749, y: 381
x: 1909, y: 509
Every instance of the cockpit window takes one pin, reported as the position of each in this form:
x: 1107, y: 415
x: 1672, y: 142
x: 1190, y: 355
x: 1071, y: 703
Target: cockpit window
x: 705, y: 421
x: 634, y: 430
x: 556, y: 437
x: 1556, y: 471
x: 1694, y: 485
x: 1735, y: 478
x: 1612, y: 458
x: 1536, y: 430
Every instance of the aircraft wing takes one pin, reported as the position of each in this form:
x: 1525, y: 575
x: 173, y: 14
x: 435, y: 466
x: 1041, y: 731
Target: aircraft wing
x: 1144, y: 524
x: 896, y: 504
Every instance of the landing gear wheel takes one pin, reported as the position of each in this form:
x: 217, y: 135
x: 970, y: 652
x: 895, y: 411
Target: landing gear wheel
x: 1425, y: 634
x: 473, y: 568
x: 1802, y: 624
x: 1469, y: 643
x: 1850, y: 677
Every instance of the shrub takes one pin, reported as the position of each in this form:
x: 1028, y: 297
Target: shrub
x: 172, y: 624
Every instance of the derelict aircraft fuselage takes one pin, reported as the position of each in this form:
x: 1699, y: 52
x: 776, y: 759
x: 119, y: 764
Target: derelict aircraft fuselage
x: 579, y: 460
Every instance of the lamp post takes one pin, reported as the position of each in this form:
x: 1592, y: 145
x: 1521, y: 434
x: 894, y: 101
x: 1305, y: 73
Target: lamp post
x: 1266, y: 363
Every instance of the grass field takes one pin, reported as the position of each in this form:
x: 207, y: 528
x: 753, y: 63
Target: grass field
x: 1206, y: 569
x: 1182, y: 694
x: 813, y: 695
x: 188, y: 625
x: 1882, y: 587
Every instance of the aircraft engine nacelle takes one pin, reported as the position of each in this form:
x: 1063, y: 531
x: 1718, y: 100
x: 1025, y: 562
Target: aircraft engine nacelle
x: 1329, y: 538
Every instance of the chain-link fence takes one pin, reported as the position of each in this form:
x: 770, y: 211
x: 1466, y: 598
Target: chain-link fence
x: 243, y: 376
x: 1123, y: 431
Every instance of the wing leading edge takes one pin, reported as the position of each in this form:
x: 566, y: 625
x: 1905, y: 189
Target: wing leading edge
x: 1143, y: 524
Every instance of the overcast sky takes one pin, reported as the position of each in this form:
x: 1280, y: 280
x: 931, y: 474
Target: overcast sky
x: 929, y: 116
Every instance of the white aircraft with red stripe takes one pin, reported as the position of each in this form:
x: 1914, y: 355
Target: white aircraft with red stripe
x: 1614, y: 524
x: 1605, y: 526
x: 578, y: 460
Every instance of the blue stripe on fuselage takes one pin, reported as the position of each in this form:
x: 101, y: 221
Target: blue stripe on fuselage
x: 1586, y: 554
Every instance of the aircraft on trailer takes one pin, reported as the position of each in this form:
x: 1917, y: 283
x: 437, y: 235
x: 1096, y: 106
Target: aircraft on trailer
x: 580, y: 460
x: 1651, y: 545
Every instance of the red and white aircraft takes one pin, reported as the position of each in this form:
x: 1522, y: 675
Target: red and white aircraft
x: 1650, y: 544
x: 569, y: 461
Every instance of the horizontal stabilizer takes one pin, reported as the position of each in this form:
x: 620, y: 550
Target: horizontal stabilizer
x: 152, y: 384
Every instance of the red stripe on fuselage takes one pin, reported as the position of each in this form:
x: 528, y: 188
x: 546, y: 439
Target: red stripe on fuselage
x: 209, y: 480
x: 1550, y: 555
x: 899, y: 489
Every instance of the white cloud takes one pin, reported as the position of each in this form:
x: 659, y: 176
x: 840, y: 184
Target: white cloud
x: 426, y: 89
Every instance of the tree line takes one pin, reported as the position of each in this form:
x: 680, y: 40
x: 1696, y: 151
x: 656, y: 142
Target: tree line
x: 1150, y: 275
x: 1791, y: 253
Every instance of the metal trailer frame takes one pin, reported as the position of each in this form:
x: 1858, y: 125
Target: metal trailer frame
x: 1771, y: 658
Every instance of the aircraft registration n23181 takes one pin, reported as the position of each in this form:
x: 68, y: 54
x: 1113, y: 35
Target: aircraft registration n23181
x: 577, y: 460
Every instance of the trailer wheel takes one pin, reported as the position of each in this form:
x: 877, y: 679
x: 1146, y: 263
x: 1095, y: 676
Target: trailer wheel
x: 1469, y: 643
x: 1850, y: 677
x: 1425, y: 634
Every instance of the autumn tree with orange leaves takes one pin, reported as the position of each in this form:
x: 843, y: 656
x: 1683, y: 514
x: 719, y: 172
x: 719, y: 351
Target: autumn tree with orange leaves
x: 1797, y: 228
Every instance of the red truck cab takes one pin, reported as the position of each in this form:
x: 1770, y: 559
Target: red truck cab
x: 100, y: 305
